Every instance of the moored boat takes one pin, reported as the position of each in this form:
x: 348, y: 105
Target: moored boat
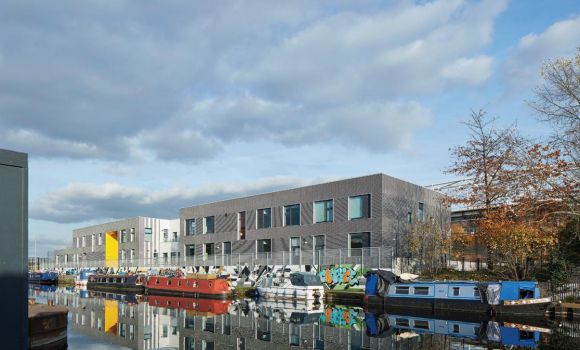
x: 297, y: 286
x: 514, y: 298
x: 116, y: 283
x: 197, y: 286
x: 82, y: 278
x: 43, y: 277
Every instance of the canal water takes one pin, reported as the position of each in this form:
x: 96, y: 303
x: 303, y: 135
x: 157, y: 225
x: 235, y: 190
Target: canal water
x: 124, y: 321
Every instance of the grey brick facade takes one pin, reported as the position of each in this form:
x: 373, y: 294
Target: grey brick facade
x: 391, y: 200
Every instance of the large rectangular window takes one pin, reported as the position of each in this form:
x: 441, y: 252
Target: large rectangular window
x: 148, y: 234
x: 208, y: 249
x: 359, y: 207
x: 190, y: 227
x: 421, y: 212
x: 264, y: 218
x: 264, y: 246
x: 323, y: 211
x: 190, y: 249
x: 292, y: 215
x: 208, y: 224
x: 294, y: 250
x: 359, y: 241
x: 123, y: 236
x: 132, y: 235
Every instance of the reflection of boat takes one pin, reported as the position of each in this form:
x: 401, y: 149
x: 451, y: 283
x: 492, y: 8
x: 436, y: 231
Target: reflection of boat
x: 127, y: 283
x: 194, y: 307
x: 484, y: 331
x: 43, y: 277
x: 44, y: 287
x: 82, y: 278
x: 383, y: 289
x: 198, y: 286
x: 285, y: 312
x: 129, y: 298
x: 299, y: 285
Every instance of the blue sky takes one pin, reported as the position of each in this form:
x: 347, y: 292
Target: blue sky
x: 129, y: 108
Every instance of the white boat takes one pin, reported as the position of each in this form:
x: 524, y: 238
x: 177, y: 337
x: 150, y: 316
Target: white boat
x: 296, y: 286
x: 82, y: 278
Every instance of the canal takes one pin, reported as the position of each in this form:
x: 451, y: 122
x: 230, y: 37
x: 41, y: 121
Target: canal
x: 122, y: 321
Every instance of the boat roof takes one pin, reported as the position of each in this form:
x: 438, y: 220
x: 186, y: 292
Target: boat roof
x: 468, y: 282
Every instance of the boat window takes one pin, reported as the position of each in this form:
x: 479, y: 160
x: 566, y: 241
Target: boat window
x: 299, y: 279
x: 455, y: 291
x: 168, y: 282
x: 402, y: 322
x: 187, y: 283
x: 421, y: 290
x: 421, y: 324
x: 157, y: 281
x: 179, y: 283
x: 455, y: 328
x: 402, y: 290
x: 476, y: 292
x: 122, y: 280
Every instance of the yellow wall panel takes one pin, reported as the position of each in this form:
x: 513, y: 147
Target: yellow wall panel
x: 111, y: 249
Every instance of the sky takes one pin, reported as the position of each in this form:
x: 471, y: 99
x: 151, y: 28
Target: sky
x: 132, y: 108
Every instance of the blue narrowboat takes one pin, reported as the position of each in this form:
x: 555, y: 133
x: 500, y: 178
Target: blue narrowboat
x: 43, y: 277
x: 514, y: 298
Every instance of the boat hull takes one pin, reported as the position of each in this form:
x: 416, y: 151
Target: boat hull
x: 214, y: 288
x: 291, y: 293
x: 116, y: 287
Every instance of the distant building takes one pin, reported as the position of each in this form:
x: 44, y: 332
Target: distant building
x: 131, y: 242
x: 299, y: 225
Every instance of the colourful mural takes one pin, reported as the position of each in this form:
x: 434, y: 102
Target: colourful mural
x: 342, y: 317
x: 343, y: 276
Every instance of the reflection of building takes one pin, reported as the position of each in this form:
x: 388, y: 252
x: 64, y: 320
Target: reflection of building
x: 354, y: 214
x: 132, y: 242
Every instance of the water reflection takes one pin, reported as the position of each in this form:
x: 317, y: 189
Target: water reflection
x: 153, y: 322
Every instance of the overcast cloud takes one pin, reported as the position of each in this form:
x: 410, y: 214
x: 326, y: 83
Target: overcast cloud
x: 128, y: 80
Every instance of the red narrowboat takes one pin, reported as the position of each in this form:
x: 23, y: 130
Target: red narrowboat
x: 199, y: 286
x: 195, y: 307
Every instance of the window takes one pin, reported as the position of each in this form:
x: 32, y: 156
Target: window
x: 190, y: 227
x: 403, y: 322
x: 264, y: 246
x: 409, y: 217
x: 132, y: 235
x: 190, y: 250
x: 174, y: 237
x: 209, y: 249
x: 294, y: 250
x: 421, y: 290
x: 455, y: 328
x: 359, y: 207
x: 242, y: 225
x: 123, y: 236
x: 292, y: 215
x: 401, y: 290
x: 132, y: 254
x: 100, y: 239
x: 323, y: 211
x: 476, y: 292
x: 208, y: 224
x: 165, y: 235
x: 84, y: 240
x: 264, y: 218
x: 422, y: 324
x: 421, y: 212
x: 455, y: 291
x: 359, y: 241
x: 148, y: 234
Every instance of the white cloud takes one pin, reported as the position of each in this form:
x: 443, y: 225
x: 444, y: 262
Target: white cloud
x: 80, y: 202
x: 522, y: 67
x: 469, y: 71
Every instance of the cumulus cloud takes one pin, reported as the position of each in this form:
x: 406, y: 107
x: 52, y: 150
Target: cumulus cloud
x: 522, y: 68
x: 82, y: 202
x: 129, y: 80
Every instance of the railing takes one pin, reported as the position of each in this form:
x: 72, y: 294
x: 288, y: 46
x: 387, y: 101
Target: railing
x: 569, y: 289
x: 375, y: 257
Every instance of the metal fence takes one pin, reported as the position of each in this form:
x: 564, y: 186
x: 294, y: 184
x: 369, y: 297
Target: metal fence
x: 374, y: 257
x: 562, y: 291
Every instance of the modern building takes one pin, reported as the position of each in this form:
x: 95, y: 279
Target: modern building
x: 139, y: 241
x: 298, y: 226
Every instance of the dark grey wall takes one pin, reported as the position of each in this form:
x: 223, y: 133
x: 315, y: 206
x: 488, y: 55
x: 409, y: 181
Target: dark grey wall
x: 14, y: 249
x: 391, y: 199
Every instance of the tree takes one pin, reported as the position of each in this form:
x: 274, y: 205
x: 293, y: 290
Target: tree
x: 558, y: 103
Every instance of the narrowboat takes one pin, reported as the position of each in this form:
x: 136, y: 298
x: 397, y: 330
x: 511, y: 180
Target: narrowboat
x: 193, y: 307
x: 43, y: 277
x: 505, y: 298
x: 117, y: 283
x: 197, y: 286
x: 489, y: 332
x: 297, y: 286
